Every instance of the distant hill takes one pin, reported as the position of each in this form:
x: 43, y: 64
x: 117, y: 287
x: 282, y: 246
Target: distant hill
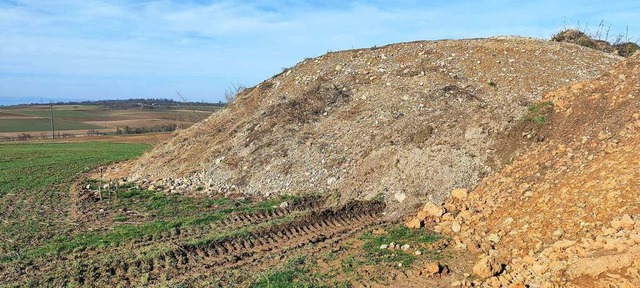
x: 16, y: 100
x: 141, y: 103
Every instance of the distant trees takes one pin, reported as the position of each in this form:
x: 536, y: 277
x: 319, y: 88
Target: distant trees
x: 140, y: 103
x: 42, y: 136
x: 142, y: 130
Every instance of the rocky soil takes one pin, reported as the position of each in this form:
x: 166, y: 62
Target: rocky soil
x: 565, y: 213
x: 408, y: 121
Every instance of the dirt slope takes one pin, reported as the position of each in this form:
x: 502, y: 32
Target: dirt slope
x: 565, y: 213
x: 410, y: 121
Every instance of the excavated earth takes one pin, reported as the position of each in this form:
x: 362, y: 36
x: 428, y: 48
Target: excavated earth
x: 565, y: 212
x: 407, y: 121
x: 524, y: 151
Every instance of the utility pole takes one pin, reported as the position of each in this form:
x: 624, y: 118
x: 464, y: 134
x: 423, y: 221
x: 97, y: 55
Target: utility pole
x: 53, y: 129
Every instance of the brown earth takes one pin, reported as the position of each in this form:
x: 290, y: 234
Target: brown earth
x: 80, y: 136
x: 566, y: 212
x: 138, y: 123
x: 409, y: 121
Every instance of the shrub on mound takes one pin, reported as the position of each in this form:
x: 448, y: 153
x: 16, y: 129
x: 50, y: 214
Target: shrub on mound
x: 624, y: 49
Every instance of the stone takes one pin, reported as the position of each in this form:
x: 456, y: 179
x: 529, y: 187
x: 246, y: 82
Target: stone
x: 405, y: 247
x: 431, y: 269
x: 433, y: 209
x: 422, y: 215
x: 539, y: 268
x: 379, y: 231
x: 414, y: 223
x: 464, y: 216
x: 473, y: 133
x: 564, y: 244
x: 508, y: 221
x: 529, y: 259
x: 460, y: 194
x: 455, y: 227
x: 456, y: 283
x: 151, y: 188
x: 616, y: 224
x: 558, y: 233
x: 384, y: 246
x: 284, y: 205
x: 627, y: 222
x: 487, y: 267
x: 495, y: 238
x: 400, y: 196
x: 418, y: 253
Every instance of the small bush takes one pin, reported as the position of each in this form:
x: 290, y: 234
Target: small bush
x: 540, y: 119
x: 626, y: 49
x: 538, y: 112
x: 620, y: 45
x: 233, y: 91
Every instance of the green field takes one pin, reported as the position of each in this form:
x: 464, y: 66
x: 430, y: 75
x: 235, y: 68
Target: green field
x: 42, y: 124
x: 41, y: 219
x: 35, y: 181
x: 37, y: 166
x: 32, y: 118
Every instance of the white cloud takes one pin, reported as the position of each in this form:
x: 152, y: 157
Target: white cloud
x: 114, y: 48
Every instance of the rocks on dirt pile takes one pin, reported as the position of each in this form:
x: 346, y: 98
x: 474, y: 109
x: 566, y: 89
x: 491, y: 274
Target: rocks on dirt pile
x: 410, y: 121
x: 566, y: 212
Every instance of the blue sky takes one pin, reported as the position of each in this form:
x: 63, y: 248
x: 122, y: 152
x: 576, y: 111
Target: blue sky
x: 110, y: 49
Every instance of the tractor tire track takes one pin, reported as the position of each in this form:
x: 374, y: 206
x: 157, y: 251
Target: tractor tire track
x: 221, y: 255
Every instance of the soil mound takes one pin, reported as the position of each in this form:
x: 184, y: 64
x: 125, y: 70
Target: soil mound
x: 409, y: 121
x: 566, y: 211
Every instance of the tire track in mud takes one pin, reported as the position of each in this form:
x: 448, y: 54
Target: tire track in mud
x: 231, y: 222
x: 217, y: 256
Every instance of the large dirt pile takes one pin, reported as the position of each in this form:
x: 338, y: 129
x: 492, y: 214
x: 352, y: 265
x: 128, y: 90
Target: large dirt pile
x: 410, y: 121
x: 565, y: 213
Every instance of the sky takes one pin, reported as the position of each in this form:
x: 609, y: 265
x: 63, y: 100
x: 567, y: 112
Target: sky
x: 63, y: 50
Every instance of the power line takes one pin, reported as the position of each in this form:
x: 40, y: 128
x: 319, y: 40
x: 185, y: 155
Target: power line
x: 53, y: 129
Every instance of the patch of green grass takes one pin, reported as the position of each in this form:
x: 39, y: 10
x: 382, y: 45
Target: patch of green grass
x: 540, y: 119
x: 492, y: 84
x: 170, y: 211
x: 398, y: 235
x: 294, y: 274
x: 120, y: 218
x: 350, y: 264
x: 538, y: 112
x: 42, y: 124
x: 537, y: 107
x: 330, y: 256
